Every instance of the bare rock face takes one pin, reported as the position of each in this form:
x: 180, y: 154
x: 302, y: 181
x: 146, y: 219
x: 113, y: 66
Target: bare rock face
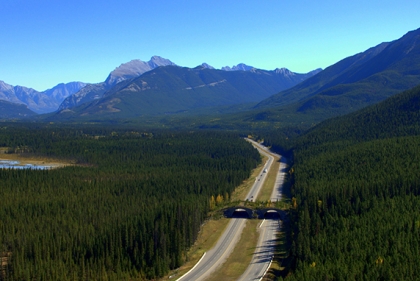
x: 39, y: 102
x: 62, y: 91
x: 135, y: 68
x: 7, y: 93
x: 89, y: 93
x: 240, y: 67
x: 66, y: 96
x: 125, y: 71
x: 205, y: 65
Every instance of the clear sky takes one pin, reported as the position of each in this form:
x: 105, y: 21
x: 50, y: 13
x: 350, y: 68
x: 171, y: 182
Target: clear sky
x: 46, y: 42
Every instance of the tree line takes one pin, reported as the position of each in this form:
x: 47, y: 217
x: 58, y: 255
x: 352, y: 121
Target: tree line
x: 356, y: 193
x: 129, y: 209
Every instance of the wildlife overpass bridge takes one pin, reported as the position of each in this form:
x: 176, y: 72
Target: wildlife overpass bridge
x: 255, y: 213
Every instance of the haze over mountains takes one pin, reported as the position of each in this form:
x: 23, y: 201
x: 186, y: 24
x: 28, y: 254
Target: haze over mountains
x: 9, y: 110
x: 172, y: 89
x: 346, y: 86
x: 160, y: 87
x: 65, y: 96
x: 39, y: 102
x: 125, y: 71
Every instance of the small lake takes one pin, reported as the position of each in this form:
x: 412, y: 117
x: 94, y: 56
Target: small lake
x: 14, y: 164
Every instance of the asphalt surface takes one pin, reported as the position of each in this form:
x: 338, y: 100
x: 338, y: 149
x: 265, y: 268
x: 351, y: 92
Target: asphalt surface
x: 218, y: 254
x: 230, y: 237
x: 259, y: 181
x: 268, y: 229
x: 264, y: 251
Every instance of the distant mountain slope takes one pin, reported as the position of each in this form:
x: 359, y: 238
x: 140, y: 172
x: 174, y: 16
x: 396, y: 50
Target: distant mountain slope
x: 356, y: 81
x: 40, y: 102
x: 125, y: 71
x: 172, y: 89
x: 10, y: 110
x: 356, y: 178
x: 63, y: 90
x: 89, y: 93
x: 396, y: 116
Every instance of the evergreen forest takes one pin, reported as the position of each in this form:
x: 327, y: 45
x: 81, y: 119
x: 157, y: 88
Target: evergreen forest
x: 128, y: 209
x: 356, y: 187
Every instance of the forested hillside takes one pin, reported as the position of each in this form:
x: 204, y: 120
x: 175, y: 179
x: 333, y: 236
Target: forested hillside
x: 128, y: 210
x: 10, y: 110
x: 356, y: 184
x: 357, y: 81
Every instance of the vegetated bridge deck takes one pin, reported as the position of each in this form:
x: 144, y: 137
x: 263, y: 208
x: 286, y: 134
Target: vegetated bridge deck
x: 252, y: 212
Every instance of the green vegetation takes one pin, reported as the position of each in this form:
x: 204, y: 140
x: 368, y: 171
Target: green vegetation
x: 130, y: 209
x: 176, y: 90
x: 10, y: 110
x: 355, y: 82
x: 356, y: 189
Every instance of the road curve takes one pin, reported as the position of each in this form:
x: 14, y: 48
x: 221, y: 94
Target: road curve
x: 230, y: 237
x: 264, y: 251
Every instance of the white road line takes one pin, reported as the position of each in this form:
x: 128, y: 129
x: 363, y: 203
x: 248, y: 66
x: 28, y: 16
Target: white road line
x: 192, y: 268
x: 266, y: 269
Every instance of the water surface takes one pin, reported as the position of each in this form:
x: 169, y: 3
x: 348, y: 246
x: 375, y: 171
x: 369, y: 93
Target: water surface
x: 14, y: 164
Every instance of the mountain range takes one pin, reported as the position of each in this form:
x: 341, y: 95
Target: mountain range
x: 160, y: 87
x: 171, y: 89
x: 70, y: 95
x: 125, y: 71
x: 39, y: 102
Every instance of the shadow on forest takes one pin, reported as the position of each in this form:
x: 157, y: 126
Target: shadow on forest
x: 282, y: 256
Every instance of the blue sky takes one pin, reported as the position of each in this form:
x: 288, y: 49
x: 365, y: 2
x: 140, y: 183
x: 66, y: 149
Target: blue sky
x: 46, y: 42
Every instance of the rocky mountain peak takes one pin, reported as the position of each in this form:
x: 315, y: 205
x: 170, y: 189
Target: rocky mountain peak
x: 156, y: 61
x: 240, y: 67
x: 135, y: 68
x: 63, y: 90
x: 205, y: 65
x: 284, y: 71
x: 5, y: 86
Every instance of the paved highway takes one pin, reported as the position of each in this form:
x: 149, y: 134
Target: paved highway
x: 259, y: 181
x: 268, y: 228
x: 264, y: 251
x: 218, y: 254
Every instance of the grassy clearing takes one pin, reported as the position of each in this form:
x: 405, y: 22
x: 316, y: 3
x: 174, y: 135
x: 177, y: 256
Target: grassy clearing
x: 28, y: 159
x: 241, y: 256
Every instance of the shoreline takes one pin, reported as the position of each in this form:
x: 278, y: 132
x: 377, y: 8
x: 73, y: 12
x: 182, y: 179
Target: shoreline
x: 35, y: 162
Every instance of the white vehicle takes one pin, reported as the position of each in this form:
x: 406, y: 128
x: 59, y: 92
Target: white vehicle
x: 265, y: 171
